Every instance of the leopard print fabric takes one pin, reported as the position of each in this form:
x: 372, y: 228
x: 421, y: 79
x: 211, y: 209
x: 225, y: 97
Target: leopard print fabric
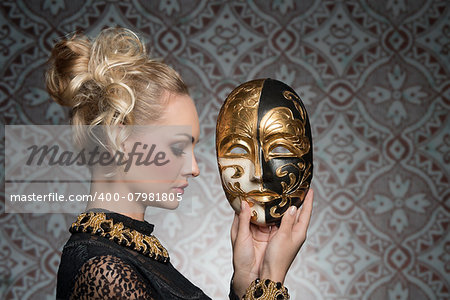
x: 109, y: 277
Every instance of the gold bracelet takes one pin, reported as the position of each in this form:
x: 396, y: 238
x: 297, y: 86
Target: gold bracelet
x: 266, y: 289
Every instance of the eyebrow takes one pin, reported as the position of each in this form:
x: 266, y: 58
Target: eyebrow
x: 188, y: 136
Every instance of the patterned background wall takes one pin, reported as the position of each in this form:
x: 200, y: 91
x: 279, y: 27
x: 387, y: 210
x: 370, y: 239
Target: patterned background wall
x: 374, y: 76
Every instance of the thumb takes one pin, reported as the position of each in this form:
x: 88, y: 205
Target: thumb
x: 234, y: 229
x: 244, y: 220
x: 304, y: 214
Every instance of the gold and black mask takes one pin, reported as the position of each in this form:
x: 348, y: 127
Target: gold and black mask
x: 264, y: 149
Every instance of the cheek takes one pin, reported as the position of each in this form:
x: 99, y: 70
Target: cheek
x: 171, y: 169
x: 235, y: 170
x: 154, y: 179
x: 157, y: 174
x: 230, y: 166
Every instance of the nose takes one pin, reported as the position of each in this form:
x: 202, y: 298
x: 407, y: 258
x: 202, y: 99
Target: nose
x: 190, y: 167
x: 195, y: 170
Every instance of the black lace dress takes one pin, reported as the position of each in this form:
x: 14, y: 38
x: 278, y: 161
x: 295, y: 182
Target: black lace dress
x: 112, y: 256
x: 102, y: 261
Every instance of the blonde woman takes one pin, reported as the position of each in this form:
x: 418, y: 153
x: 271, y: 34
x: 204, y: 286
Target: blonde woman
x: 111, y: 83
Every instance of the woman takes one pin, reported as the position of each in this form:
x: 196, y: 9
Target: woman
x: 111, y: 84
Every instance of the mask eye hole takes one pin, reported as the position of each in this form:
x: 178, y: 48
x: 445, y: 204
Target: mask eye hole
x: 281, y: 150
x: 240, y: 150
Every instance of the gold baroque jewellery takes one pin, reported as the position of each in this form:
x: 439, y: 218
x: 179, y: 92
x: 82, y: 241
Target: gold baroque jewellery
x: 98, y: 224
x: 266, y: 289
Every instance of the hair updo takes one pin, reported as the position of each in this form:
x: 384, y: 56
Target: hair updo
x: 109, y: 80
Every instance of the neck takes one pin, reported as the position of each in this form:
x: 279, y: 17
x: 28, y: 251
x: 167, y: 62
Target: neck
x: 107, y: 191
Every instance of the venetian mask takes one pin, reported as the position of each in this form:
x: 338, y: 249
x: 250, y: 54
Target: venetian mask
x: 264, y: 149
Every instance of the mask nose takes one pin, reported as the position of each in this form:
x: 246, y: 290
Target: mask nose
x: 257, y: 172
x: 256, y: 178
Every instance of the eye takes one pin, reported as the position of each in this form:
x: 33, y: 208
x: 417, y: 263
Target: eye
x: 178, y: 148
x: 238, y: 150
x: 281, y: 150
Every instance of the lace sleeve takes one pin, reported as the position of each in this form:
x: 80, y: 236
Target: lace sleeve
x: 109, y: 277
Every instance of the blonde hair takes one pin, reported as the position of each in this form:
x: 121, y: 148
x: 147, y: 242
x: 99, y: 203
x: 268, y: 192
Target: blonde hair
x: 109, y: 81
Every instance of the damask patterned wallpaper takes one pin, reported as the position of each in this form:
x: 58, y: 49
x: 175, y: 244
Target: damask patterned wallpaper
x: 374, y: 76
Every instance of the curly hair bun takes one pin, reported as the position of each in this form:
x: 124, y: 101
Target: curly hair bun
x: 101, y: 79
x: 68, y: 70
x: 109, y: 80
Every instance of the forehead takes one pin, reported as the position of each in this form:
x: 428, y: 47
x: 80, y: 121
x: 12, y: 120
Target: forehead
x: 180, y: 112
x: 248, y: 105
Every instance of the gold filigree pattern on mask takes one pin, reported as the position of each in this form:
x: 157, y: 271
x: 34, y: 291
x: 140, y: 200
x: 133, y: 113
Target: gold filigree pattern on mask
x: 238, y: 119
x: 254, y: 215
x: 293, y: 183
x: 279, y: 128
x: 285, y: 199
x: 98, y: 224
x: 291, y: 96
x: 235, y: 189
x: 238, y: 170
x: 295, y: 188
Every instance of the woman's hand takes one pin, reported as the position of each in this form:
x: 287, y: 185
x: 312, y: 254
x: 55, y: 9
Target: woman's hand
x: 249, y: 243
x: 285, y: 241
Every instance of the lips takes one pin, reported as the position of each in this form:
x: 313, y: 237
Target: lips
x: 183, y: 186
x: 262, y: 196
x: 180, y: 189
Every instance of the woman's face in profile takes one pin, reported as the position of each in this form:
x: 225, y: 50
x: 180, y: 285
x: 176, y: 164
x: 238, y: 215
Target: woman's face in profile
x: 164, y: 155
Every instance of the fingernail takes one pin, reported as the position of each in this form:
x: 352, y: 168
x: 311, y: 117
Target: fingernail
x: 292, y: 210
x: 243, y: 204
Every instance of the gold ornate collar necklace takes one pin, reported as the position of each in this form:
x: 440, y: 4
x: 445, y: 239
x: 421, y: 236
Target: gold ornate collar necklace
x: 97, y: 223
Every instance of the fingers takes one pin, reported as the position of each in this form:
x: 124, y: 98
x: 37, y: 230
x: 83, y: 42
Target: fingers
x: 234, y: 229
x: 244, y: 220
x: 273, y: 231
x: 288, y: 219
x: 304, y: 215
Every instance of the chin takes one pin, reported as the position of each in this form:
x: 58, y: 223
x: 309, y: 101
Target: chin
x: 172, y: 205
